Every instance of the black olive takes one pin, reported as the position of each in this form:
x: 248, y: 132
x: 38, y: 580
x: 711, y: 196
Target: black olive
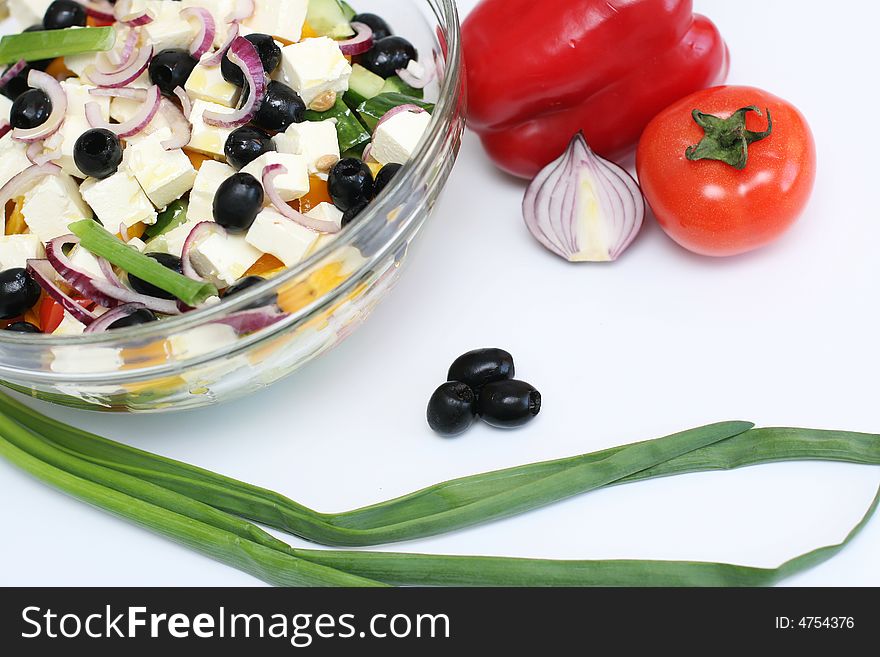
x: 281, y: 108
x: 138, y: 317
x: 171, y: 69
x: 350, y: 183
x: 388, y: 55
x: 508, y: 404
x: 238, y: 201
x: 386, y: 175
x: 452, y: 409
x: 246, y: 283
x: 353, y: 213
x: 270, y: 56
x: 246, y: 144
x: 377, y: 24
x: 22, y: 327
x: 17, y: 85
x: 40, y: 64
x: 30, y: 109
x: 98, y: 153
x: 482, y: 366
x: 19, y: 292
x: 172, y: 262
x: 64, y: 13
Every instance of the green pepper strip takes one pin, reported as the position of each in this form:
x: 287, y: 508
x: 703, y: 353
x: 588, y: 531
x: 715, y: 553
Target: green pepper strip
x: 102, y: 243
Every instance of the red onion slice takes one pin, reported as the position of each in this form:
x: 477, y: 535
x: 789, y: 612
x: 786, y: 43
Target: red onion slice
x: 181, y: 128
x: 207, y: 30
x: 214, y: 59
x: 44, y: 274
x: 104, y: 322
x: 394, y: 111
x: 360, y: 43
x: 416, y: 81
x: 23, y: 181
x: 125, y: 295
x: 101, y: 10
x: 185, y: 102
x: 36, y: 155
x: 584, y: 208
x: 127, y: 75
x: 243, y: 10
x: 39, y: 80
x: 271, y: 172
x: 253, y: 320
x: 119, y: 61
x: 244, y: 55
x: 133, y: 126
x: 79, y: 279
x: 12, y: 71
x: 5, y: 128
x: 199, y: 233
x: 132, y: 93
x: 123, y: 13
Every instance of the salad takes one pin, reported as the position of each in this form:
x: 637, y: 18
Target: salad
x: 158, y: 156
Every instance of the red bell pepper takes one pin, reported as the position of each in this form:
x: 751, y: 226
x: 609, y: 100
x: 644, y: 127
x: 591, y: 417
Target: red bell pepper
x: 538, y: 72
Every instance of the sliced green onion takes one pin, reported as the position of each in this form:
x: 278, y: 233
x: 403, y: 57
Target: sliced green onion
x: 34, y: 46
x: 101, y: 242
x: 172, y: 217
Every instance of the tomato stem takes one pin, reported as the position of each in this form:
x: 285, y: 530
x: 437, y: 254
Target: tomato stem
x: 727, y: 140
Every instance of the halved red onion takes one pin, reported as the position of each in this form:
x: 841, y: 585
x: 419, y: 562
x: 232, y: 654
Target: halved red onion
x: 243, y: 10
x: 185, y: 102
x: 360, y: 43
x: 44, y: 274
x: 253, y: 320
x: 584, y: 208
x: 133, y: 126
x: 22, y: 182
x: 127, y: 75
x: 181, y: 128
x: 416, y: 81
x: 200, y: 232
x: 55, y: 92
x: 5, y: 128
x: 102, y: 10
x: 394, y: 111
x: 271, y: 172
x: 244, y: 55
x: 112, y: 316
x: 214, y: 59
x: 207, y: 30
x: 119, y: 61
x: 11, y: 72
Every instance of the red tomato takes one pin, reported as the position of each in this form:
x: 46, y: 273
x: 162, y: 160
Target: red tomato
x: 51, y: 314
x: 709, y: 206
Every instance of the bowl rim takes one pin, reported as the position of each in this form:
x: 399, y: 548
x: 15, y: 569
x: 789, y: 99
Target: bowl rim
x: 448, y: 103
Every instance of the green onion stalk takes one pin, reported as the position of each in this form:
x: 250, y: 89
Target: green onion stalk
x: 216, y: 515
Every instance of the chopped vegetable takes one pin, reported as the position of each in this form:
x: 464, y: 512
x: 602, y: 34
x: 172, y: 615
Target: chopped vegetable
x: 169, y: 219
x: 34, y: 46
x: 372, y: 111
x: 584, y: 208
x: 102, y: 243
x: 349, y: 130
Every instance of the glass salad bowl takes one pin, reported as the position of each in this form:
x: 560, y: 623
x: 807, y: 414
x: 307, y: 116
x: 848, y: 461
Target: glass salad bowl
x: 197, y: 358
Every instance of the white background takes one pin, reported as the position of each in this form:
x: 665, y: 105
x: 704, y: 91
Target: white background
x: 660, y: 341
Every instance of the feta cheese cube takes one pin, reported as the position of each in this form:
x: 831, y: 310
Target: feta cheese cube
x: 5, y: 107
x: 327, y: 212
x: 168, y: 29
x: 172, y: 242
x: 311, y: 139
x: 75, y: 123
x: 164, y: 176
x: 315, y: 66
x: 223, y: 259
x: 292, y: 185
x: 280, y: 18
x: 52, y: 205
x: 118, y: 200
x: 84, y: 260
x: 16, y: 250
x: 28, y: 12
x: 83, y: 360
x: 211, y: 175
x: 68, y: 326
x: 220, y: 10
x: 274, y: 233
x: 208, y: 139
x: 207, y: 83
x: 396, y: 139
x: 13, y: 158
x: 201, y: 340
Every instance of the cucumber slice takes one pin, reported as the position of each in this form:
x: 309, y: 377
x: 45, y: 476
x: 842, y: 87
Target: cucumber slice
x: 328, y: 18
x: 374, y: 109
x: 347, y: 10
x: 349, y: 130
x: 362, y: 86
x: 394, y: 85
